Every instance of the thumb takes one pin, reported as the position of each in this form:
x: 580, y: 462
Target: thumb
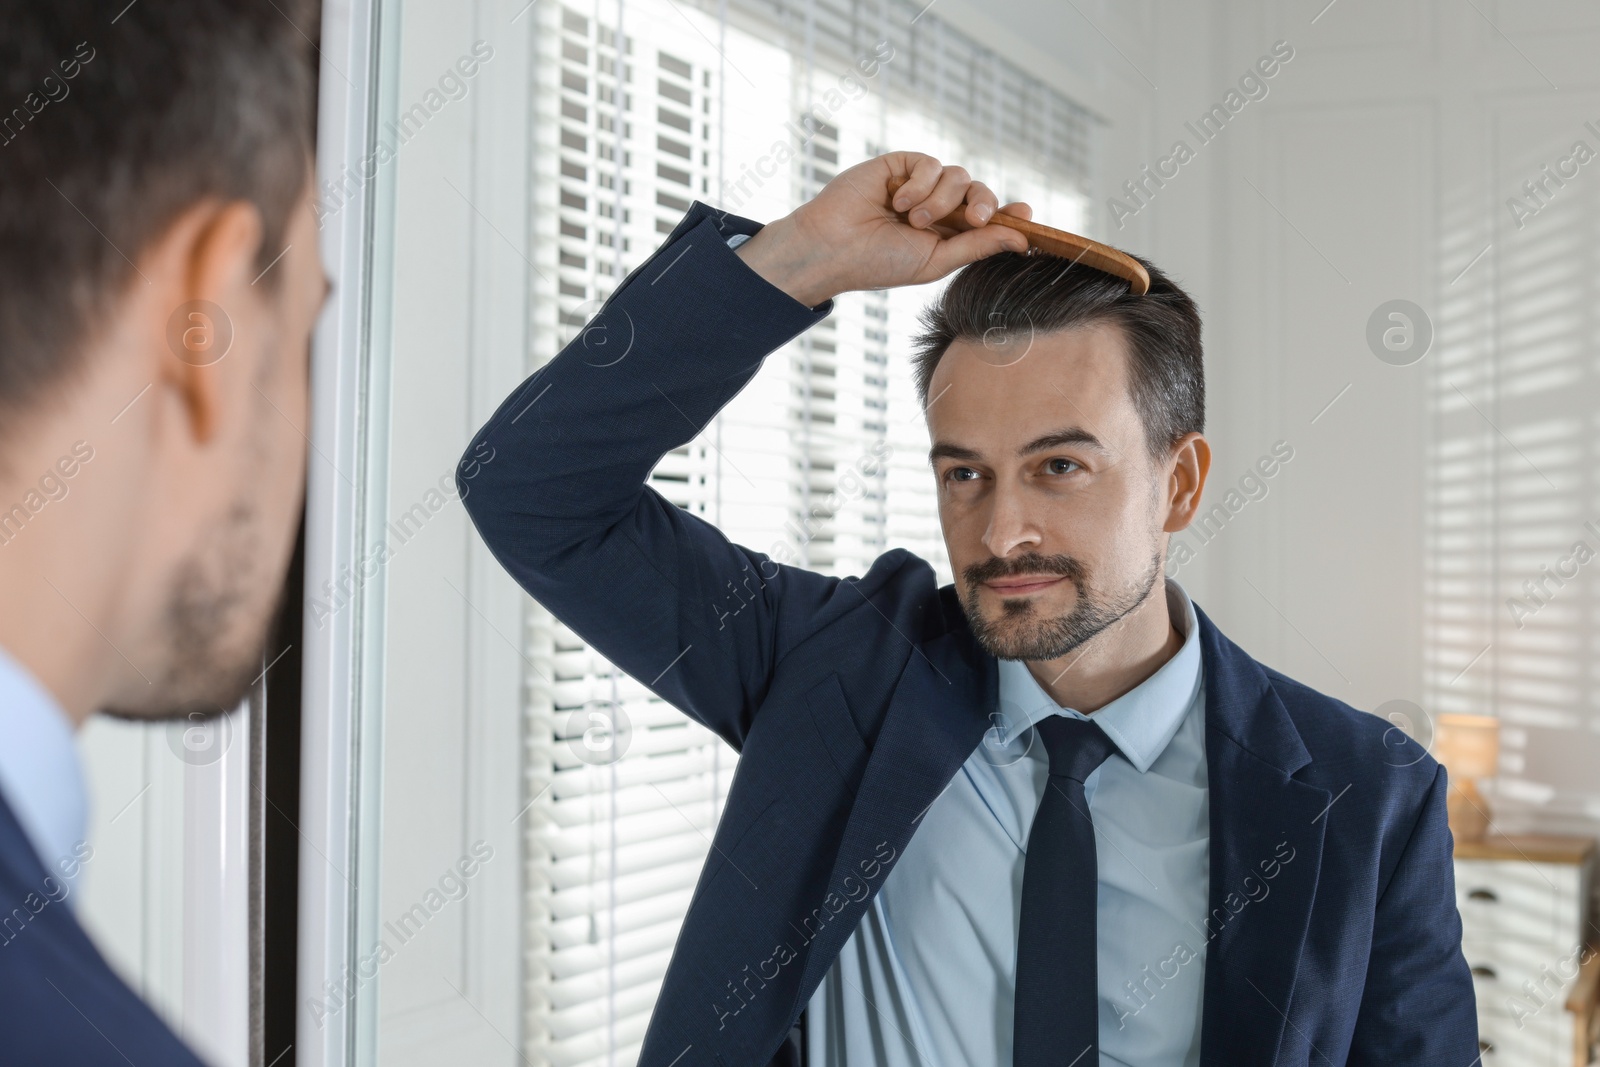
x: 968, y: 246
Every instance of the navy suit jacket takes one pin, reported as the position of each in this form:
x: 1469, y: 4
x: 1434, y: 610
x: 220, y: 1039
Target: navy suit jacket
x: 59, y: 1001
x: 1333, y: 936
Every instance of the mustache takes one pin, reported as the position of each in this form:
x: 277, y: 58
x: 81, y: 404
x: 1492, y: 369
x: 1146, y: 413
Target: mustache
x: 1031, y: 563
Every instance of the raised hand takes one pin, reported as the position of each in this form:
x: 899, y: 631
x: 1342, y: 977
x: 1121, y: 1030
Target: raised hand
x: 849, y: 237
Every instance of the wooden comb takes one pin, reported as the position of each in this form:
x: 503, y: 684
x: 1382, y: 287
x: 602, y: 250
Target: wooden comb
x: 1077, y: 248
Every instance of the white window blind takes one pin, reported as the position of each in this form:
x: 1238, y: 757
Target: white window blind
x: 1513, y: 493
x: 821, y: 460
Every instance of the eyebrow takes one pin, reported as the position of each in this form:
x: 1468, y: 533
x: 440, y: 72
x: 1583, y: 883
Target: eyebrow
x: 1069, y: 435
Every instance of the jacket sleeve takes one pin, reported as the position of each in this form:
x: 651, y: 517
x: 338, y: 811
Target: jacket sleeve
x: 556, y: 480
x: 1418, y: 1006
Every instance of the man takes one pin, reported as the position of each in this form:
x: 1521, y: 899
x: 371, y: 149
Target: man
x: 1047, y: 814
x: 159, y: 280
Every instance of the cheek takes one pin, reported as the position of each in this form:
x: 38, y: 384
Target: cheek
x: 278, y: 501
x: 289, y: 460
x: 963, y: 524
x: 1108, y: 531
x: 1133, y: 532
x: 284, y: 451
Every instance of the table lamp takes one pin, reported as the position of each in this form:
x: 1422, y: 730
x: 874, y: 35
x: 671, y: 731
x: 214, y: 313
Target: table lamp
x: 1469, y: 747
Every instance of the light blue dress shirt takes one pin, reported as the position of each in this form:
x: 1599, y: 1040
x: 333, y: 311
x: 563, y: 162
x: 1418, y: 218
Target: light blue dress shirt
x: 928, y: 976
x: 40, y: 773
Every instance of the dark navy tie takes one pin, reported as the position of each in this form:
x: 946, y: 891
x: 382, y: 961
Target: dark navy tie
x: 1057, y: 1007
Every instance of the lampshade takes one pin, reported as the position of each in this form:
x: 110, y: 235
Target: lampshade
x: 1468, y: 745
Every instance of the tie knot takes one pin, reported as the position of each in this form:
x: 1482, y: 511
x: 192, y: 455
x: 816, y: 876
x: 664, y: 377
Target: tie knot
x: 1076, y: 746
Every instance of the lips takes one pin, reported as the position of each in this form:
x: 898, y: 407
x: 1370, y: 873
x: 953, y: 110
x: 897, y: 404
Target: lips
x: 1018, y: 586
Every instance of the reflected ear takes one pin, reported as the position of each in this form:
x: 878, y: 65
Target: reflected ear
x: 209, y: 254
x: 1186, y: 480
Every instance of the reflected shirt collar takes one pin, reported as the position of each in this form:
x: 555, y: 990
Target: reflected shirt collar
x: 1140, y: 722
x: 41, y: 777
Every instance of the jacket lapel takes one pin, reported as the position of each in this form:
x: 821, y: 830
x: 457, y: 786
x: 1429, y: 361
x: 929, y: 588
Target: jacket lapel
x: 1266, y: 853
x: 1266, y: 827
x: 935, y: 719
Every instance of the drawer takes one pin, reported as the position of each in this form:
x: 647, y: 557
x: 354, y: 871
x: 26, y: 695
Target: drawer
x: 1515, y: 978
x: 1546, y: 1040
x: 1533, y: 902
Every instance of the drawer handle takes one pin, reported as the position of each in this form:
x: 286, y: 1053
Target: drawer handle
x: 1484, y: 894
x: 1481, y: 971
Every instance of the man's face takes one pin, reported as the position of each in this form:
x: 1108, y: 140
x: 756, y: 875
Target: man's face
x: 223, y: 576
x: 1051, y: 507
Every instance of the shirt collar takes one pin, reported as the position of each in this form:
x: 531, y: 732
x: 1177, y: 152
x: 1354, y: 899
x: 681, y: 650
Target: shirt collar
x: 40, y: 774
x: 1140, y: 722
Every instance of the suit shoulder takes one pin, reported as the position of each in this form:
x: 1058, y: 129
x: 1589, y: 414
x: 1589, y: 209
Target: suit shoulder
x: 1379, y: 779
x: 896, y: 594
x: 897, y: 582
x: 1338, y: 734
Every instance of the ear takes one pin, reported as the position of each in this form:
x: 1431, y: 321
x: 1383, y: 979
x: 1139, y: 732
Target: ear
x: 1186, y: 479
x: 204, y: 267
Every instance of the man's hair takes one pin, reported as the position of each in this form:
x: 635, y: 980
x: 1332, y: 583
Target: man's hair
x: 1024, y: 294
x: 112, y: 124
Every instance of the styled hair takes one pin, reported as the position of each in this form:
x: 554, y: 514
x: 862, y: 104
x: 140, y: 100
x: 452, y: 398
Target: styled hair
x: 1042, y: 293
x: 110, y: 128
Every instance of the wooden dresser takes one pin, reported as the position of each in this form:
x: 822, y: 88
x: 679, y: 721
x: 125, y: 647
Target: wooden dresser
x: 1534, y: 954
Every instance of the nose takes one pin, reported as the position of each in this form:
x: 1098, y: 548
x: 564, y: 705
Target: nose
x: 1010, y: 523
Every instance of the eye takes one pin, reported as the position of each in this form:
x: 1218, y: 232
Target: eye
x: 950, y: 475
x: 1060, y: 459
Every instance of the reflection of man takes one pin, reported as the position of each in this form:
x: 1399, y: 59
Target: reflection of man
x: 158, y: 282
x: 1047, y: 815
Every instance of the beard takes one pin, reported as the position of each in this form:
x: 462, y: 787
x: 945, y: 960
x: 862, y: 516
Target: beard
x: 214, y: 626
x: 1021, y: 633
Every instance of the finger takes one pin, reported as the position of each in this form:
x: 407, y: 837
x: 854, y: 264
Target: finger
x: 924, y: 175
x: 981, y: 203
x: 946, y: 196
x: 1018, y: 208
x: 969, y: 246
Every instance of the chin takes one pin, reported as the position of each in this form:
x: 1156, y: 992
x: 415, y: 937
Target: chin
x: 213, y: 637
x: 1021, y: 628
x: 194, y: 688
x: 1025, y: 641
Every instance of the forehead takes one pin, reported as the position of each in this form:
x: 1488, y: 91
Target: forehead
x: 1014, y: 388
